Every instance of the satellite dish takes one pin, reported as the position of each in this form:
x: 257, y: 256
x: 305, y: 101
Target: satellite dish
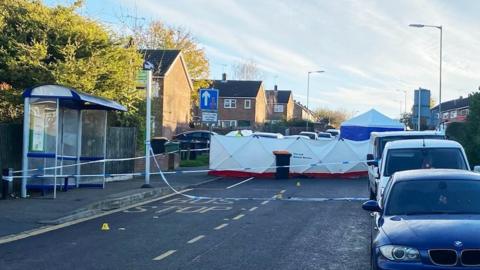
x: 148, y: 66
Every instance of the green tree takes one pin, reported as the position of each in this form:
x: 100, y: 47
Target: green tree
x: 40, y: 44
x: 334, y: 117
x: 472, y: 144
x: 159, y: 36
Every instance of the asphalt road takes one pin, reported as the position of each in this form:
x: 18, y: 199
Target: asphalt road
x: 240, y: 226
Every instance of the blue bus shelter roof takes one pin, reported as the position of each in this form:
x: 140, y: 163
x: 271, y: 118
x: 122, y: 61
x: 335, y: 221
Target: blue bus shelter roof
x: 79, y: 99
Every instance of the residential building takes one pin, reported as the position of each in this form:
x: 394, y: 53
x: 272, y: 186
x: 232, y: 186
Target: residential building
x: 452, y: 111
x: 172, y: 88
x: 280, y: 104
x: 241, y: 103
x: 421, y: 100
x: 300, y: 112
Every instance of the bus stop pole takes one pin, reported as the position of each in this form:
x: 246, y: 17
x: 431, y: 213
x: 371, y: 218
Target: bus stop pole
x: 26, y: 142
x: 148, y: 123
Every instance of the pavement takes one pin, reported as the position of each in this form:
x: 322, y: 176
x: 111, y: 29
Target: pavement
x: 20, y: 215
x: 233, y: 224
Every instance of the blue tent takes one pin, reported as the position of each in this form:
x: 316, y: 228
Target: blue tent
x: 360, y: 127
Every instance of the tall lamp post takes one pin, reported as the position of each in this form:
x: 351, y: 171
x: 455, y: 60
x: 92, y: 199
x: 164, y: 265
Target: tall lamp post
x: 308, y: 90
x: 439, y: 27
x: 405, y: 102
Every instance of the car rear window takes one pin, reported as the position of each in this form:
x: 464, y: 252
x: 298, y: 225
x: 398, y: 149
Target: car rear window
x: 382, y: 141
x: 423, y: 158
x: 419, y: 197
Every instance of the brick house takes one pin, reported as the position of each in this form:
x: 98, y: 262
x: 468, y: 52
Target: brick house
x: 300, y: 112
x: 172, y: 88
x: 279, y: 104
x: 455, y: 110
x: 241, y: 103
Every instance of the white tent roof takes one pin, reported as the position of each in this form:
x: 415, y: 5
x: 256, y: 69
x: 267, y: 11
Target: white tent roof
x: 373, y: 118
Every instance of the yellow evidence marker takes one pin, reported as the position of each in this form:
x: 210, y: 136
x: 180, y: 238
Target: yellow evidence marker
x: 105, y: 227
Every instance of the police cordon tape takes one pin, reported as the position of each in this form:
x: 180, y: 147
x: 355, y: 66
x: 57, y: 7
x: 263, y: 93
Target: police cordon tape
x: 169, y: 172
x: 164, y: 179
x: 107, y: 160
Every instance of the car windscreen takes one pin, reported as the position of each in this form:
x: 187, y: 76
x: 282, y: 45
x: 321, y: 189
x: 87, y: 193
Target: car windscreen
x: 310, y: 135
x: 334, y: 133
x: 324, y: 135
x: 382, y: 141
x: 434, y: 197
x: 423, y: 158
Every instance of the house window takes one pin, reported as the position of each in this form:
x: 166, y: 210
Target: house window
x: 453, y: 114
x: 243, y: 123
x: 445, y: 115
x: 248, y: 104
x: 278, y: 108
x: 227, y: 123
x: 230, y: 103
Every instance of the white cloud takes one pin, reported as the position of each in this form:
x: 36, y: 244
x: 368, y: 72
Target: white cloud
x: 366, y: 47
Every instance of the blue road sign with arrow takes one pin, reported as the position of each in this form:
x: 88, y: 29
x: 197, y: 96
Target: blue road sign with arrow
x: 209, y: 99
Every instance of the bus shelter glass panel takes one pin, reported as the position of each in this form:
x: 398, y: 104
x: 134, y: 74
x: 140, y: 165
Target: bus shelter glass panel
x: 67, y: 144
x: 93, y: 147
x: 42, y: 141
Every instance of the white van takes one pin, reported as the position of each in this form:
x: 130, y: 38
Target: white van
x: 378, y: 140
x: 418, y: 154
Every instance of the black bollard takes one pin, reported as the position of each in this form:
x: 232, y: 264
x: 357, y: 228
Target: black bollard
x: 6, y: 183
x: 65, y: 184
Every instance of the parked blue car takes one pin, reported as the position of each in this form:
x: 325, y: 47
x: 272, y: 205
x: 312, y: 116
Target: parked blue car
x: 428, y: 219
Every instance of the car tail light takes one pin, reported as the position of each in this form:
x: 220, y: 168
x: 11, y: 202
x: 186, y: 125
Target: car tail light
x: 471, y: 257
x: 446, y: 257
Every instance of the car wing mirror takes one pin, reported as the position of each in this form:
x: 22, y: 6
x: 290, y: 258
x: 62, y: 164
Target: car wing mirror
x: 371, y: 206
x: 476, y: 168
x: 371, y: 160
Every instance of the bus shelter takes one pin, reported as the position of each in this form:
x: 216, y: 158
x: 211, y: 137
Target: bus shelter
x: 64, y: 138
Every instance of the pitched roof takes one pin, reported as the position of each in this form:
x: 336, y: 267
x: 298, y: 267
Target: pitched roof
x: 373, y: 118
x: 234, y: 88
x: 161, y: 59
x: 454, y: 104
x: 281, y: 96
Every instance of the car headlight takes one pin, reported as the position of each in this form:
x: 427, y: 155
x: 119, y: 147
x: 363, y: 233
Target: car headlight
x: 400, y: 253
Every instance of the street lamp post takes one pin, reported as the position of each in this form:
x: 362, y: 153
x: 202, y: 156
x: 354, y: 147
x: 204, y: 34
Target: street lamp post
x: 308, y: 90
x: 419, y: 103
x: 405, y: 102
x: 439, y: 27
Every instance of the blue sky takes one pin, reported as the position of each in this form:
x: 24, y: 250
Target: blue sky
x: 365, y: 46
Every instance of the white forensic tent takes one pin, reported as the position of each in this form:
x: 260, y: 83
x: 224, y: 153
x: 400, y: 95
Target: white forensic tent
x: 360, y: 127
x: 245, y: 156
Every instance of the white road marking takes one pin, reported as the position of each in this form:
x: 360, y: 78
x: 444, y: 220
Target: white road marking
x: 246, y: 180
x: 221, y: 226
x: 253, y: 209
x: 238, y: 217
x: 196, y: 239
x: 49, y: 228
x: 283, y: 191
x: 155, y: 216
x: 164, y: 255
x: 121, y: 229
x: 265, y: 202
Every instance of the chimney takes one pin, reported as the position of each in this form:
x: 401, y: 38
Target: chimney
x: 275, y: 87
x: 224, y: 77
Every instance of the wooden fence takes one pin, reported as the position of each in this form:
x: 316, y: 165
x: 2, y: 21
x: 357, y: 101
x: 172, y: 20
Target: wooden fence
x: 121, y: 142
x: 11, y: 136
